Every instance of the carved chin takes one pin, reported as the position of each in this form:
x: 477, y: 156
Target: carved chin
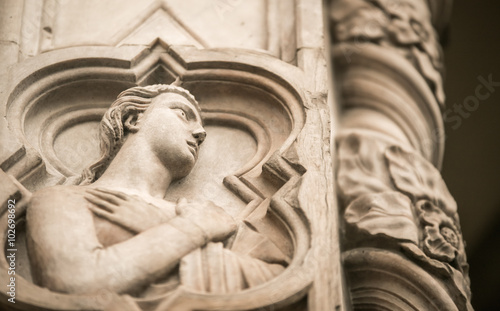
x: 182, y: 168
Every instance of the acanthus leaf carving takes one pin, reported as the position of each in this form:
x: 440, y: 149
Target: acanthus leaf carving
x: 352, y: 25
x: 401, y: 26
x: 388, y: 213
x: 413, y: 208
x: 361, y: 168
x: 418, y: 179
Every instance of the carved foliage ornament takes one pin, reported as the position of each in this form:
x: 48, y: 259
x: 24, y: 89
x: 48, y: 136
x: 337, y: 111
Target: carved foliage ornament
x: 392, y: 193
x: 400, y: 25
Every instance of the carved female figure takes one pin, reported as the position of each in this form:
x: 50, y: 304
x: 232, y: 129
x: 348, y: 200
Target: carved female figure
x: 115, y: 231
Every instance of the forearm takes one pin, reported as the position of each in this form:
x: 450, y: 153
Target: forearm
x: 129, y: 265
x: 67, y: 256
x: 147, y: 256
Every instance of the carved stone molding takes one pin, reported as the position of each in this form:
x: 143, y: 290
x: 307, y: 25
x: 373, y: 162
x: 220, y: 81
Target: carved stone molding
x: 381, y: 280
x: 377, y: 83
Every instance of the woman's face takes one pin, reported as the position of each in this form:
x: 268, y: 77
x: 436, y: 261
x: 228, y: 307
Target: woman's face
x: 173, y: 128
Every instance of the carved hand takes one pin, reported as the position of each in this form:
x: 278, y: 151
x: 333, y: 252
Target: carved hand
x: 210, y: 218
x: 127, y: 211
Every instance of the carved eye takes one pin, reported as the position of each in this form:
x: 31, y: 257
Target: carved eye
x: 181, y: 113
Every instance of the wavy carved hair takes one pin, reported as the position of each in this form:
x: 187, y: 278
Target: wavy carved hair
x: 113, y: 130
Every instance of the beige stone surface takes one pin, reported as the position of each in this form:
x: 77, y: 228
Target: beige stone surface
x: 256, y: 158
x: 241, y: 169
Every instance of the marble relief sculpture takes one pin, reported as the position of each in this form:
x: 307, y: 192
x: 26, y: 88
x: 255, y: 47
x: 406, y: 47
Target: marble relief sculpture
x: 290, y: 185
x: 116, y: 232
x: 132, y: 226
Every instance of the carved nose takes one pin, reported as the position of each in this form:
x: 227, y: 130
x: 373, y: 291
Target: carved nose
x: 199, y: 134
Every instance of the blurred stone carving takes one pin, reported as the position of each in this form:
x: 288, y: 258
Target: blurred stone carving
x: 394, y: 195
x: 402, y: 26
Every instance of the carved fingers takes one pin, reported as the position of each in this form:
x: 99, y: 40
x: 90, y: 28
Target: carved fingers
x: 103, y: 200
x: 111, y: 194
x: 129, y: 212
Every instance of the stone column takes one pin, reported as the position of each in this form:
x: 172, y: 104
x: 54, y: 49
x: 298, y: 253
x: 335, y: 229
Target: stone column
x: 401, y: 237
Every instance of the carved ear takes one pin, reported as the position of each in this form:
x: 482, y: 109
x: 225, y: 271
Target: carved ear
x: 132, y: 122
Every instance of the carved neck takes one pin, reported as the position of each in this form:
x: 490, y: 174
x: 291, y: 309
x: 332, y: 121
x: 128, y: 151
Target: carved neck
x: 136, y: 169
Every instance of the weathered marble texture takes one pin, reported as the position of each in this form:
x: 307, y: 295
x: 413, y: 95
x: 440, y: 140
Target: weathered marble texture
x: 326, y: 192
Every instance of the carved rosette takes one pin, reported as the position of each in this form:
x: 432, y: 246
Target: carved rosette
x: 401, y: 230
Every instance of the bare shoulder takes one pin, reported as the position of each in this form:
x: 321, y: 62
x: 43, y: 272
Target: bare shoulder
x: 59, y: 209
x: 58, y: 197
x: 56, y: 218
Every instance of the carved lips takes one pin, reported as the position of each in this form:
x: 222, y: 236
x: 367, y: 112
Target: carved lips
x: 193, y: 148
